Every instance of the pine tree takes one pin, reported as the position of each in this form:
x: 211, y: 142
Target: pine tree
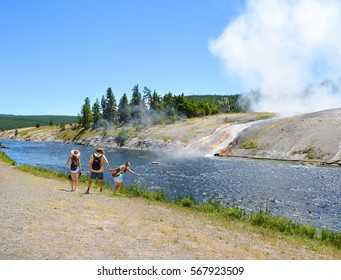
x: 86, y: 117
x: 155, y: 102
x: 110, y: 110
x: 137, y: 106
x: 96, y: 112
x: 103, y: 107
x: 147, y: 96
x: 123, y: 109
x: 136, y: 99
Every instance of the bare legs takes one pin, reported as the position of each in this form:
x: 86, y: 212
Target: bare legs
x: 74, y: 182
x: 100, y: 184
x: 119, y: 186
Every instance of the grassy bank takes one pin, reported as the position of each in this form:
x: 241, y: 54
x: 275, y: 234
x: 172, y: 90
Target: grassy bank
x: 261, y: 221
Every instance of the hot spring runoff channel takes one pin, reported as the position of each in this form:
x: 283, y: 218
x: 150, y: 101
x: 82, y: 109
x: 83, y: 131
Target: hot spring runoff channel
x: 306, y: 194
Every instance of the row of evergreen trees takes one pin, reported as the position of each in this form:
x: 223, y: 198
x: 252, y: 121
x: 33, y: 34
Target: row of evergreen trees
x: 148, y: 108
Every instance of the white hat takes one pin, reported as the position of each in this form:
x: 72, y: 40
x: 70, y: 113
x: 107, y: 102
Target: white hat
x: 75, y: 153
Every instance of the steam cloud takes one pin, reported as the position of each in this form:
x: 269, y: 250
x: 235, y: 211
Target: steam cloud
x: 287, y: 51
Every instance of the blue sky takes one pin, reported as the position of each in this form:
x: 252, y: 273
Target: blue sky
x: 55, y: 53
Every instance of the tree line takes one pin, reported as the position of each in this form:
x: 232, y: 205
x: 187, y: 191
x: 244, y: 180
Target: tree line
x: 151, y: 108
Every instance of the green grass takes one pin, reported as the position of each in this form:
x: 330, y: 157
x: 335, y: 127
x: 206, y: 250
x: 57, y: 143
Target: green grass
x: 261, y: 218
x: 6, y: 159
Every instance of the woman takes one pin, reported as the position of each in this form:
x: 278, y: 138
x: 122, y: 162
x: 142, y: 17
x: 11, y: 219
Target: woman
x: 74, y: 165
x: 118, y: 173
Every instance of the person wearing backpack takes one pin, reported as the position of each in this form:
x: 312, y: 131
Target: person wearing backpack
x: 97, y: 160
x: 74, y: 165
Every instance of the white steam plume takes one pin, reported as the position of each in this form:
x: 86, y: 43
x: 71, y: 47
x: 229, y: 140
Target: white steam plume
x: 289, y: 51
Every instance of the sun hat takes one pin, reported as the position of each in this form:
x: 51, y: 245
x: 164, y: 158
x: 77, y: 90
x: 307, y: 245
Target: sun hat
x: 75, y: 153
x: 101, y: 150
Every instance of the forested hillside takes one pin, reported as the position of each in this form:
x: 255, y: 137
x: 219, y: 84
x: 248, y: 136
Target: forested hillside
x: 150, y: 108
x: 17, y: 121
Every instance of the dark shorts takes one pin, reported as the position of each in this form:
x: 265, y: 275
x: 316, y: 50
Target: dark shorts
x: 96, y: 175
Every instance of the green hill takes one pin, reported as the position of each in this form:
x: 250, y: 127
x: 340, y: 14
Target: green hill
x: 17, y: 121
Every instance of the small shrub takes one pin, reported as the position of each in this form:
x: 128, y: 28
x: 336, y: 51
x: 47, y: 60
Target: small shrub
x: 186, y: 202
x: 307, y: 150
x: 210, y: 207
x: 132, y: 191
x: 122, y: 137
x: 170, y: 120
x: 331, y: 237
x: 157, y: 119
x: 259, y: 219
x: 166, y: 138
x: 234, y: 213
x: 310, y: 156
x: 157, y: 196
x: 251, y: 144
x: 308, y: 231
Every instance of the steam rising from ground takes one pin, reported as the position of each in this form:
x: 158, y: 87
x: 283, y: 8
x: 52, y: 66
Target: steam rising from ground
x: 287, y: 53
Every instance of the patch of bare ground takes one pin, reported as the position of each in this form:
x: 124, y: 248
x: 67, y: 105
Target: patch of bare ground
x: 41, y: 219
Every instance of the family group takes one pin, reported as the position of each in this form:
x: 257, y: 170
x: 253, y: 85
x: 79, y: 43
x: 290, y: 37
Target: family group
x: 97, y: 161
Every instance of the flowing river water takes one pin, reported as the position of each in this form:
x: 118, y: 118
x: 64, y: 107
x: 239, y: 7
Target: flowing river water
x: 307, y: 194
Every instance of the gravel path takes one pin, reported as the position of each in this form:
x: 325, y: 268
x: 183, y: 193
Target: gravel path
x: 41, y: 219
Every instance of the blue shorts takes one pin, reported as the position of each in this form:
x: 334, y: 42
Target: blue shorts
x: 96, y: 175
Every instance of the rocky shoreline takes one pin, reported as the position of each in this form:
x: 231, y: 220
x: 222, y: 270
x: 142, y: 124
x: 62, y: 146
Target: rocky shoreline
x: 313, y: 138
x: 134, y: 143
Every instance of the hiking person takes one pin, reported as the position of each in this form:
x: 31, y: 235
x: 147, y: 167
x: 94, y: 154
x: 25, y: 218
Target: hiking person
x: 118, y: 173
x: 97, y: 160
x: 74, y: 165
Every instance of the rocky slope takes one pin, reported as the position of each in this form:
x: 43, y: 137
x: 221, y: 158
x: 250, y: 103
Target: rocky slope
x: 314, y: 137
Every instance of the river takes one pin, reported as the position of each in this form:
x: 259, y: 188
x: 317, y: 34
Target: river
x: 307, y: 194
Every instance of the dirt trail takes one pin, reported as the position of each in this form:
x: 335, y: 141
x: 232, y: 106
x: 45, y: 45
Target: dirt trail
x: 41, y: 219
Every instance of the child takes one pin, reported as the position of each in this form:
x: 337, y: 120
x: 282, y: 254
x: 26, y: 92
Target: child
x: 118, y: 173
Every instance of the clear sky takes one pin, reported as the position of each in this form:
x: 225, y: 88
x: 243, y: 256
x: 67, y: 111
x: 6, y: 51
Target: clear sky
x: 55, y: 53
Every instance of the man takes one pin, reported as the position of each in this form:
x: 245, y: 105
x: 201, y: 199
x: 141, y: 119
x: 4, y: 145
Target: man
x: 97, y: 160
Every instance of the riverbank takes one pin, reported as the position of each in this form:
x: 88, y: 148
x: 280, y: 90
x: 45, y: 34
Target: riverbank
x: 310, y: 138
x: 171, y: 137
x: 42, y: 219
